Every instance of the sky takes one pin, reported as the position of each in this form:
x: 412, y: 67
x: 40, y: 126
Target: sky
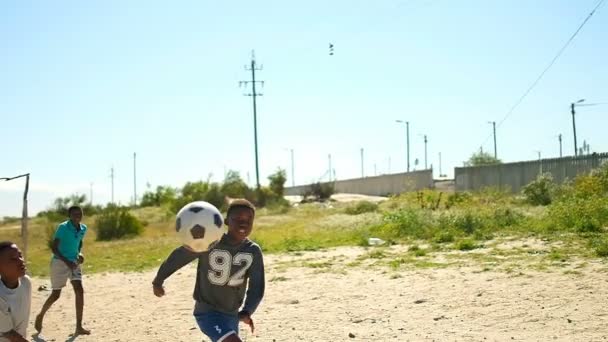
x: 85, y: 85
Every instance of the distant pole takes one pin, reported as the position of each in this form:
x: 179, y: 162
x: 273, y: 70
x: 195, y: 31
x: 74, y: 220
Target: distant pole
x: 439, y: 164
x: 91, y: 193
x: 362, y: 169
x: 293, y: 178
x: 134, y: 179
x: 253, y: 68
x: 375, y: 171
x: 494, y: 131
x: 329, y: 169
x: 572, y: 105
x: 112, y: 178
x: 407, y: 133
x: 24, y: 214
x: 559, y: 137
x: 425, y: 153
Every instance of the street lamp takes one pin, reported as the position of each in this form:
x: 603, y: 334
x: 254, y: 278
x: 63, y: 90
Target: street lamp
x: 407, y: 135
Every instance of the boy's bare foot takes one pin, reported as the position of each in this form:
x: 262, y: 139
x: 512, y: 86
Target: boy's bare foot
x: 82, y: 331
x: 38, y: 323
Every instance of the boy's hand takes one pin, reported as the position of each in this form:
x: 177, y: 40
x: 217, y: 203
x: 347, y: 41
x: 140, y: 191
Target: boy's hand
x: 246, y: 318
x: 13, y: 336
x: 159, y: 291
x: 80, y: 258
x: 72, y: 265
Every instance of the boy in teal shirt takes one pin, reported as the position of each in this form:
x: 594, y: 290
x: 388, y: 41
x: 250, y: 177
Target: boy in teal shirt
x: 65, y: 264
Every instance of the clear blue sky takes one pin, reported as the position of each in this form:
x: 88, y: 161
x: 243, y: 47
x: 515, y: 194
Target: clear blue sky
x: 85, y: 84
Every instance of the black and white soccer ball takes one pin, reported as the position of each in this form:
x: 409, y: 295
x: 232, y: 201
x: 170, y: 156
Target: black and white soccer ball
x: 199, y: 225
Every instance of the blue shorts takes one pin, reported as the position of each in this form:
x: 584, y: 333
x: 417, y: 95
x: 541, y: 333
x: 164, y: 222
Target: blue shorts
x: 217, y: 325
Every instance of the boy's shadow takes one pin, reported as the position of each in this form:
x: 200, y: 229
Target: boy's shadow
x: 37, y: 338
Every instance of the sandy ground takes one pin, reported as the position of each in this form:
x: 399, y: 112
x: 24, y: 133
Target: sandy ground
x: 352, y: 303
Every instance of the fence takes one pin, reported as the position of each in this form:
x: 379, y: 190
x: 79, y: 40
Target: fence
x: 514, y: 176
x: 377, y: 185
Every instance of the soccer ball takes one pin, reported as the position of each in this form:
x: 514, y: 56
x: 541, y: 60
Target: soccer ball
x: 198, y: 225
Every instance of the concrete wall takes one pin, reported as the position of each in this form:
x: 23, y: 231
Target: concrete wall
x: 378, y: 185
x: 514, y: 176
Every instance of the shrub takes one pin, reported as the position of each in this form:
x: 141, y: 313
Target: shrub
x: 582, y: 214
x: 320, y: 191
x: 361, y: 207
x: 117, y: 223
x: 466, y: 245
x: 541, y: 190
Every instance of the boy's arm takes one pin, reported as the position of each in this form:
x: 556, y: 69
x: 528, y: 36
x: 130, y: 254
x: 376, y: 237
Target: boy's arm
x: 55, y: 248
x: 180, y: 257
x: 6, y: 325
x: 256, y: 285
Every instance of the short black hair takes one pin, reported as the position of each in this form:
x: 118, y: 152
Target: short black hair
x: 73, y: 208
x: 4, y: 245
x: 239, y: 203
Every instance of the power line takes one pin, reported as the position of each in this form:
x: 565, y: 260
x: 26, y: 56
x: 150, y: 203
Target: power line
x: 542, y: 74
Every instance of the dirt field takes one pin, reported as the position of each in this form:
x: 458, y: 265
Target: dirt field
x: 318, y: 296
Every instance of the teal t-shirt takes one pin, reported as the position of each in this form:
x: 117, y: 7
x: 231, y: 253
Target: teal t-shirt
x: 69, y: 239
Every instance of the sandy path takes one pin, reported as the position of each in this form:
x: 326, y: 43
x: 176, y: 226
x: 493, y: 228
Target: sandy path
x: 370, y: 304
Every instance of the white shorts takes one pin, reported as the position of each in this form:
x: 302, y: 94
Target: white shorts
x: 60, y: 273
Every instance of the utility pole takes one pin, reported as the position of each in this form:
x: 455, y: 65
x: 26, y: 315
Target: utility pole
x: 362, y: 169
x: 425, y: 153
x: 375, y: 172
x: 329, y: 170
x: 293, y: 178
x: 574, y: 128
x: 407, y: 134
x: 253, y: 68
x: 559, y: 137
x: 134, y: 179
x: 494, y: 132
x: 112, y: 178
x: 439, y: 164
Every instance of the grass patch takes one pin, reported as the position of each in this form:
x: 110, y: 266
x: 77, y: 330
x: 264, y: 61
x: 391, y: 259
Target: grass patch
x: 466, y: 245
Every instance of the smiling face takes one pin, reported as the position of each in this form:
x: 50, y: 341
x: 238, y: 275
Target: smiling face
x: 240, y: 223
x: 12, y: 265
x: 76, y: 215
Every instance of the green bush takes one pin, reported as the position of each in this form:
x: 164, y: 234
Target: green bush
x: 361, y: 207
x: 466, y: 245
x: 408, y: 222
x: 507, y: 217
x: 581, y: 214
x: 540, y: 191
x: 444, y: 237
x: 600, y: 246
x: 468, y: 222
x: 320, y: 191
x: 117, y: 223
x: 458, y: 199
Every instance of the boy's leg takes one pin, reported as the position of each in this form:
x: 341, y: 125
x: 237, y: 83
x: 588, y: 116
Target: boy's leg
x: 60, y: 273
x: 76, y: 280
x: 79, y: 295
x: 45, y: 307
x: 219, y: 327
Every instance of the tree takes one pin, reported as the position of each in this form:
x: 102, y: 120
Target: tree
x: 482, y: 158
x: 277, y: 182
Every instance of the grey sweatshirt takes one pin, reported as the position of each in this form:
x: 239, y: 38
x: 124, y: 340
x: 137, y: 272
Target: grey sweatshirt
x: 223, y: 275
